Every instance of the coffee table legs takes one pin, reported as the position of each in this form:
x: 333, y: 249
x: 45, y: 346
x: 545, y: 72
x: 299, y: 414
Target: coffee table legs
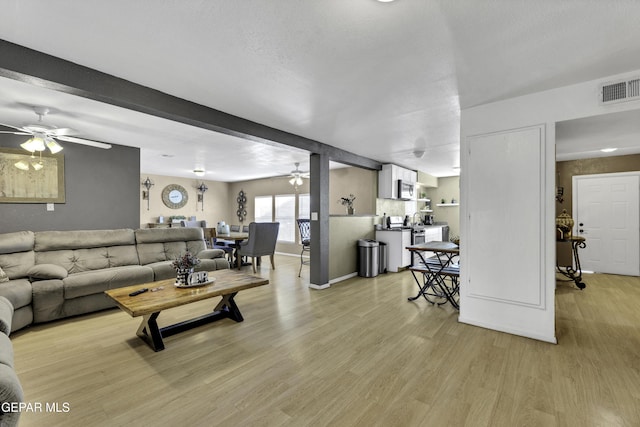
x: 152, y: 335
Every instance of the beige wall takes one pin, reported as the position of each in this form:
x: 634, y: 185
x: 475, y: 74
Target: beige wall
x: 566, y: 170
x: 215, y: 200
x: 362, y: 183
x: 221, y: 199
x: 345, y: 231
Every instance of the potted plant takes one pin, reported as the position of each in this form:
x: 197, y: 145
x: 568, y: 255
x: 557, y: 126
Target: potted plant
x: 348, y: 202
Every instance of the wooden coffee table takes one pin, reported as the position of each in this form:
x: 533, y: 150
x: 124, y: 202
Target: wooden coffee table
x: 149, y: 304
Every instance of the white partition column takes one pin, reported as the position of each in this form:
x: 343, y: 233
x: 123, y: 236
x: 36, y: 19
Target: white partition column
x: 504, y: 265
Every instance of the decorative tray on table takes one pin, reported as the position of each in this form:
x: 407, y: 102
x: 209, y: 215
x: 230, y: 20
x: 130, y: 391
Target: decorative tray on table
x: 195, y: 285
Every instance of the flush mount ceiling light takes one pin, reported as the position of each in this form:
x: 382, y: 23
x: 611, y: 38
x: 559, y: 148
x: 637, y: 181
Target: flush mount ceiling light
x: 608, y: 150
x: 418, y: 154
x: 385, y: 1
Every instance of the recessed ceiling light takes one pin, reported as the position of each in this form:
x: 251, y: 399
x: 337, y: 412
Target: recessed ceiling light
x: 608, y: 150
x: 167, y: 155
x: 199, y: 172
x: 385, y: 1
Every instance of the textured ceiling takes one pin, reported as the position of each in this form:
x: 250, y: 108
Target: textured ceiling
x: 377, y: 79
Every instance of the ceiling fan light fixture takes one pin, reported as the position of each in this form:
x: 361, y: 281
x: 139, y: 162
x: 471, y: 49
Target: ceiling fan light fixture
x: 35, y: 143
x: 52, y: 145
x: 37, y: 166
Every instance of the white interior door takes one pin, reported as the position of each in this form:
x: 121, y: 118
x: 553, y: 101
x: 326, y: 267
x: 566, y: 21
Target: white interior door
x: 607, y: 215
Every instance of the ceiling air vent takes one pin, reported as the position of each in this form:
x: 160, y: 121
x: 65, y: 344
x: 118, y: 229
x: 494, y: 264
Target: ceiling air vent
x: 626, y: 90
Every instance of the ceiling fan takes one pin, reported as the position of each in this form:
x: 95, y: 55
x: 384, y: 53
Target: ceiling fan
x: 297, y: 175
x: 43, y: 136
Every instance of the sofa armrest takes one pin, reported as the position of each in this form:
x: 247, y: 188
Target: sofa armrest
x: 6, y: 315
x: 47, y: 271
x: 11, y: 393
x: 211, y: 254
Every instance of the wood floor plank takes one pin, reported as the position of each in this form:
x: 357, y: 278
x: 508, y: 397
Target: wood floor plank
x: 356, y: 354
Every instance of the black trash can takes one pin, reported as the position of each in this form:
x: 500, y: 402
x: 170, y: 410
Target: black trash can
x: 382, y: 257
x: 368, y: 257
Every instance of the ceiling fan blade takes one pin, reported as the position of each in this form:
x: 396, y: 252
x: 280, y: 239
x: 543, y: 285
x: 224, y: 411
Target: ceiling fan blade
x: 84, y: 141
x: 14, y: 132
x: 61, y: 132
x: 21, y: 130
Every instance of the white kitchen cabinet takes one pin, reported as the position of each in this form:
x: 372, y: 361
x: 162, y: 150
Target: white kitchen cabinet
x: 397, y: 241
x: 388, y: 180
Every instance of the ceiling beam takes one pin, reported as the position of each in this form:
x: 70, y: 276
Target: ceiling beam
x: 40, y: 69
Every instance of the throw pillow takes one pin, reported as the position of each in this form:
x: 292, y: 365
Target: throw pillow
x: 3, y: 276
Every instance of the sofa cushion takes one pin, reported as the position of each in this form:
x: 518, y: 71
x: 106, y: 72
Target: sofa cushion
x: 86, y: 259
x: 158, y: 244
x: 3, y: 276
x: 17, y: 291
x: 161, y: 235
x: 164, y: 270
x: 10, y: 391
x: 6, y: 315
x: 78, y: 239
x: 47, y: 271
x: 17, y: 264
x: 16, y: 253
x: 98, y: 281
x: 21, y: 241
x: 6, y: 351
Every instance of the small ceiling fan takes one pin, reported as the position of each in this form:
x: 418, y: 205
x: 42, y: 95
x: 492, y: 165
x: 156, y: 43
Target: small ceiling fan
x: 43, y: 136
x: 297, y: 175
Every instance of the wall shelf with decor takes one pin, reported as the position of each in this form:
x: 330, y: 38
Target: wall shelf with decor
x: 444, y: 205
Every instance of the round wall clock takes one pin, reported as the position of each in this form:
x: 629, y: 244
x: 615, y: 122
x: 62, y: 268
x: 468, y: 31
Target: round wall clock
x: 174, y: 196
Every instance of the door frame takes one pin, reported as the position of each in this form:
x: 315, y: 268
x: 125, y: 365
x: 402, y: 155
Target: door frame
x: 574, y: 192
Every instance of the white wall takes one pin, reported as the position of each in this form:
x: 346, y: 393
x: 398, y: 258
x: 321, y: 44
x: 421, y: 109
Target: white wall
x: 479, y: 304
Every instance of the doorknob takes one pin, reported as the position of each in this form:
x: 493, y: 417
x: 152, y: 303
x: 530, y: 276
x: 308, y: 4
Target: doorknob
x: 581, y: 230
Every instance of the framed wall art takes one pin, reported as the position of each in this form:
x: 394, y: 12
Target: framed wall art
x: 31, y: 178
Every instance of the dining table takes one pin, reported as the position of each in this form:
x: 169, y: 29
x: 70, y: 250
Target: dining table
x: 436, y: 272
x: 236, y: 237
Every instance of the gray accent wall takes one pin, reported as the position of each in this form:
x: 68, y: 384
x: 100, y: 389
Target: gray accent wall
x: 102, y: 192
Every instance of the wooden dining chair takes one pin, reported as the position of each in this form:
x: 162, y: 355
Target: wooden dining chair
x: 261, y: 242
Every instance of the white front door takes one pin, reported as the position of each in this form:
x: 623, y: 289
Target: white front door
x: 607, y: 215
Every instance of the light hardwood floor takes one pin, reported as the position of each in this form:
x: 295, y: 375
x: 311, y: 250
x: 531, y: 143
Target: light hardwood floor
x: 356, y: 354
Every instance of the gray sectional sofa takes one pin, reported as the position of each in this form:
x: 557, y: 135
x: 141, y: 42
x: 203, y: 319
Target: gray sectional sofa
x: 57, y: 274
x: 49, y: 275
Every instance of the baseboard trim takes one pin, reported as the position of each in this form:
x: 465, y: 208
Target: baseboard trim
x: 341, y: 278
x: 512, y: 331
x: 332, y: 281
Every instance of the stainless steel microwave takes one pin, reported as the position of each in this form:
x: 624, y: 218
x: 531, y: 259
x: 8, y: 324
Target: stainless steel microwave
x: 406, y: 190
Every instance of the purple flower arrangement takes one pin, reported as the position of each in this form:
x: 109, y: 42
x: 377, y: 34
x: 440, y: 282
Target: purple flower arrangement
x: 185, y: 262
